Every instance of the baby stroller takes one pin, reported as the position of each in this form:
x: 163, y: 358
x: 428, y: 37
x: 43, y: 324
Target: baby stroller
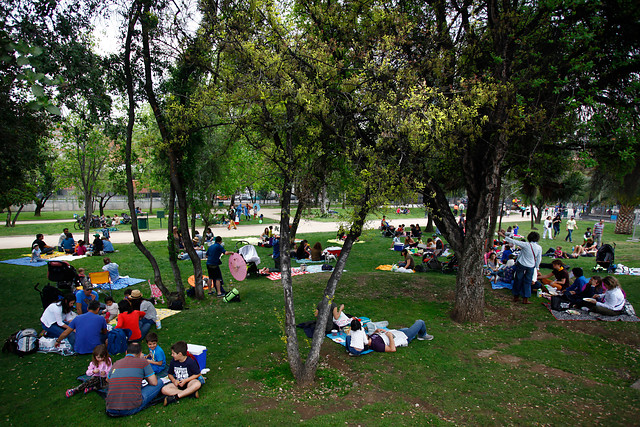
x: 63, y: 274
x: 250, y: 256
x: 48, y: 294
x: 606, y: 256
x: 126, y: 219
x: 451, y: 264
x: 430, y: 261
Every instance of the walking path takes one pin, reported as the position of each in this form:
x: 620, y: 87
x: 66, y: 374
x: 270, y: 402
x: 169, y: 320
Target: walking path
x: 254, y: 229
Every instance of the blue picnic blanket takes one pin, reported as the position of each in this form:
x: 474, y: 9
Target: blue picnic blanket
x: 341, y: 338
x: 307, y: 261
x: 501, y: 285
x: 25, y: 261
x: 121, y: 283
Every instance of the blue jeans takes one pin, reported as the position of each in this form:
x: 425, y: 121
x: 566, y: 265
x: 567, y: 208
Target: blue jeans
x: 522, y: 281
x: 351, y: 349
x: 149, y: 392
x: 145, y: 326
x: 569, y: 232
x: 54, y: 331
x: 417, y: 329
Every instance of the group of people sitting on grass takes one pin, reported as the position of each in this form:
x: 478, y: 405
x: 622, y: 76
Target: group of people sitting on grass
x: 127, y: 392
x: 68, y: 245
x: 603, y: 296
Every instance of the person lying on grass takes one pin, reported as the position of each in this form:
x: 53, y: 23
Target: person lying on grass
x: 388, y: 341
x: 184, y: 374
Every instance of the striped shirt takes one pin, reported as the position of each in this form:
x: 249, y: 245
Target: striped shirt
x: 125, y: 383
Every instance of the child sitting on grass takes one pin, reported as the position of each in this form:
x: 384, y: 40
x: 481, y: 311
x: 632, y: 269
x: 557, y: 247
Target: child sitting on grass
x: 184, y: 374
x: 35, y: 253
x: 112, y: 310
x: 97, y: 372
x: 156, y: 356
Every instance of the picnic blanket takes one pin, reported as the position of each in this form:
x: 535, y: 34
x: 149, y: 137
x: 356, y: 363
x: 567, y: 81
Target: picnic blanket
x: 577, y: 314
x: 162, y: 313
x: 394, y: 268
x: 67, y: 257
x: 341, y: 242
x: 162, y: 376
x: 307, y: 261
x: 251, y: 240
x: 121, y: 283
x: 25, y: 261
x: 341, y: 338
x: 384, y: 267
x: 623, y: 269
x: 501, y: 285
x: 294, y: 272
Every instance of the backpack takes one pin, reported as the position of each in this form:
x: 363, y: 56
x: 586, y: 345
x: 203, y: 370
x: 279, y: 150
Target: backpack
x: 327, y: 267
x: 232, y: 296
x: 22, y: 342
x: 118, y: 340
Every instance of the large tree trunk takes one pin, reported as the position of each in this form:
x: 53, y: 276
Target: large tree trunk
x: 297, y: 217
x: 624, y: 223
x: 324, y: 199
x: 133, y: 18
x: 7, y: 222
x: 151, y: 201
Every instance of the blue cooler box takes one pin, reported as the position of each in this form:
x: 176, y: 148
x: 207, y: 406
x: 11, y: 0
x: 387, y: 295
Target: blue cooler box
x: 398, y: 247
x: 200, y: 353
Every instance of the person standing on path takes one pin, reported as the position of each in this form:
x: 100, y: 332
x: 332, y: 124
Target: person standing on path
x: 527, y: 263
x: 598, y: 229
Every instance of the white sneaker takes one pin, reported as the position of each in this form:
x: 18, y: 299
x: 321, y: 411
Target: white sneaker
x: 425, y: 337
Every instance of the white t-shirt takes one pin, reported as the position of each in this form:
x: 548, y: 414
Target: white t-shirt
x: 52, y: 314
x: 399, y: 338
x: 613, y: 299
x: 342, y: 320
x: 547, y: 223
x: 358, y: 339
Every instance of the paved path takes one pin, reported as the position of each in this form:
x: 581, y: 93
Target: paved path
x: 254, y: 229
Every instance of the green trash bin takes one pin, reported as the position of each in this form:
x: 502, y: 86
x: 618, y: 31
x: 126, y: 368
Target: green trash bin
x: 143, y: 223
x: 220, y: 204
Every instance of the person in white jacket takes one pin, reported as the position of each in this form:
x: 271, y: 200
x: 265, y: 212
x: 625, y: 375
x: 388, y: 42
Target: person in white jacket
x: 611, y: 303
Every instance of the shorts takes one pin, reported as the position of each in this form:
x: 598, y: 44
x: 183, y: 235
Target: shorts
x: 214, y: 272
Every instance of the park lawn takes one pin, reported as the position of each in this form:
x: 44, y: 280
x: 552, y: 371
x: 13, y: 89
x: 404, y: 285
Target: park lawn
x: 519, y: 366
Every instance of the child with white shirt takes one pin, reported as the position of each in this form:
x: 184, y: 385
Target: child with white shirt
x: 357, y: 339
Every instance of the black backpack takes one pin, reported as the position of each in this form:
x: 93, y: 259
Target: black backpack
x: 22, y: 342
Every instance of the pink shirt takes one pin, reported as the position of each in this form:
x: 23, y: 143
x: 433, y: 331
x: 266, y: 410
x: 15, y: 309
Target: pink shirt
x: 103, y: 367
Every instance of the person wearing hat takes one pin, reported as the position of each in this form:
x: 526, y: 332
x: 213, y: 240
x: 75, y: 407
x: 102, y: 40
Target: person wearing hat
x: 84, y: 296
x: 112, y: 268
x: 98, y: 246
x: 146, y: 306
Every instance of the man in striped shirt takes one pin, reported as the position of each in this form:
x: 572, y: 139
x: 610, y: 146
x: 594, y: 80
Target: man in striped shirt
x: 126, y: 395
x: 598, y: 228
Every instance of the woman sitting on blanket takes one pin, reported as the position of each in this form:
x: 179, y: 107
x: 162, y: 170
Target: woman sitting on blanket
x: 52, y: 319
x: 408, y: 262
x: 316, y: 252
x: 265, y: 235
x: 612, y: 302
x: 431, y: 245
x: 409, y: 242
x: 303, y: 251
x: 493, y: 266
x: 589, y: 248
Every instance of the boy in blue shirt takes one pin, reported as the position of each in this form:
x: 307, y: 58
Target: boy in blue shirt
x: 156, y: 357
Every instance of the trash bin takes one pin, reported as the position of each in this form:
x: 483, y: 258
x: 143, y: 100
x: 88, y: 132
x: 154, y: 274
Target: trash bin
x: 159, y: 214
x: 220, y: 204
x: 143, y: 223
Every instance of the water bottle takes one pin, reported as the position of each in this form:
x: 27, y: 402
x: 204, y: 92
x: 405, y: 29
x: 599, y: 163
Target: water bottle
x: 158, y: 322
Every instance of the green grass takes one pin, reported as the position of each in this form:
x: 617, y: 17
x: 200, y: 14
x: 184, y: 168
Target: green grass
x: 543, y: 371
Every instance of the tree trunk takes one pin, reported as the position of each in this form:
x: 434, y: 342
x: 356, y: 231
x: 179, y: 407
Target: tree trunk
x: 193, y: 220
x: 88, y: 212
x: 495, y: 206
x: 324, y: 199
x: 8, y: 220
x: 173, y: 245
x: 624, y: 223
x: 532, y: 215
x: 296, y: 218
x: 15, y: 217
x: 133, y: 18
x: 101, y: 205
x: 293, y: 351
x: 311, y: 364
x: 40, y: 204
x: 172, y: 154
x: 151, y: 201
